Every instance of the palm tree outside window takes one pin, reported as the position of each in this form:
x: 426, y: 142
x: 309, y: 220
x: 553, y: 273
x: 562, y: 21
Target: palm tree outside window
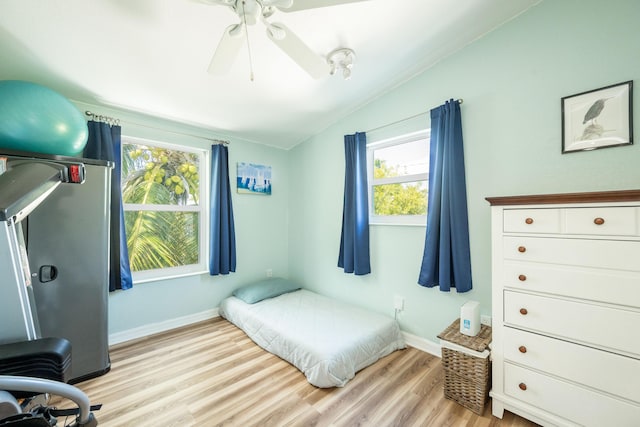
x: 164, y: 218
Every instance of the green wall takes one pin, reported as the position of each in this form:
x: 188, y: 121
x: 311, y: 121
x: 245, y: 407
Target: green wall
x: 261, y: 232
x: 511, y: 81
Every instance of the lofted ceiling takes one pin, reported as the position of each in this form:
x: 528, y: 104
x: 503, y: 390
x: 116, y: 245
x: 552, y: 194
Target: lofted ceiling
x: 152, y: 56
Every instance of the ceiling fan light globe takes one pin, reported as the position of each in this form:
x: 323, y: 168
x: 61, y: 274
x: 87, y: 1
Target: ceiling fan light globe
x: 341, y: 59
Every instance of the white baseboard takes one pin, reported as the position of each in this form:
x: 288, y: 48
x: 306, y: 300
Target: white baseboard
x: 422, y: 344
x: 414, y: 341
x: 154, y: 328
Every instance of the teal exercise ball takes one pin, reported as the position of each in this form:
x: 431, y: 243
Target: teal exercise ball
x: 37, y: 119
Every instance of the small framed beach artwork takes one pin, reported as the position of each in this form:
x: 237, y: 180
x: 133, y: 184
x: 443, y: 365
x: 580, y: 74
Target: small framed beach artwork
x: 598, y: 118
x: 254, y: 179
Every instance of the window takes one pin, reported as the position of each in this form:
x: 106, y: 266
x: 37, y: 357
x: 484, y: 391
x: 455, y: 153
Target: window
x: 398, y: 175
x: 163, y: 203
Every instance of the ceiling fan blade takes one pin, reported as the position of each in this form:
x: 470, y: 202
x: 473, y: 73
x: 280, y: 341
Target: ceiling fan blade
x: 229, y: 3
x: 297, y: 50
x: 227, y: 50
x: 308, y: 4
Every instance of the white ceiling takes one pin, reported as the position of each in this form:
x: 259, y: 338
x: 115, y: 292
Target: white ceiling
x: 151, y: 56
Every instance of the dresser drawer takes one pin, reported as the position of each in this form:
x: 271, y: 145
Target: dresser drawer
x: 596, y: 221
x: 611, y: 286
x: 599, y: 369
x: 532, y: 220
x: 580, y: 405
x: 612, y: 254
x: 616, y: 221
x: 591, y: 324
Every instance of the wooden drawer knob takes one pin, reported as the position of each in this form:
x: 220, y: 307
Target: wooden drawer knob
x: 522, y: 386
x: 522, y: 249
x: 523, y: 311
x: 529, y: 220
x: 522, y: 349
x: 522, y: 277
x: 598, y: 221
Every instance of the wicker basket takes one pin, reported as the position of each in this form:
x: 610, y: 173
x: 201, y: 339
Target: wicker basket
x: 466, y: 379
x: 467, y: 367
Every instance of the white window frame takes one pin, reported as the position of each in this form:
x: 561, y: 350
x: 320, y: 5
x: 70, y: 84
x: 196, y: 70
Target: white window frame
x: 419, y: 220
x: 202, y: 266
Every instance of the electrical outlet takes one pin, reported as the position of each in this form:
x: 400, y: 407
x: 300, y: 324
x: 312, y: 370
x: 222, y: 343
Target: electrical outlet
x: 398, y: 303
x: 269, y: 272
x: 485, y: 320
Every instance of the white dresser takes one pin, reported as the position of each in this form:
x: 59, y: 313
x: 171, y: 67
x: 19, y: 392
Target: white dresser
x: 566, y: 308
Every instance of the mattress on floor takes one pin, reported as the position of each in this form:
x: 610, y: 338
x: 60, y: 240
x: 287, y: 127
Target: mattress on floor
x: 328, y: 340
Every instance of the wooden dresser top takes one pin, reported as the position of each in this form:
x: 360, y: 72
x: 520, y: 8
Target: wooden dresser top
x: 591, y: 197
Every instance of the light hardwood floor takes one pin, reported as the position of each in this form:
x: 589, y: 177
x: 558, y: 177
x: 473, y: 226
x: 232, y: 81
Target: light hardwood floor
x: 212, y: 374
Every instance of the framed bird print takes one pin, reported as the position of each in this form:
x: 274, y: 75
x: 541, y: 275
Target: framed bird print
x: 598, y: 118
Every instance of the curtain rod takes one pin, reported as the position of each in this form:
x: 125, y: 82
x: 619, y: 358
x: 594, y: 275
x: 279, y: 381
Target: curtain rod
x: 115, y: 121
x: 459, y: 101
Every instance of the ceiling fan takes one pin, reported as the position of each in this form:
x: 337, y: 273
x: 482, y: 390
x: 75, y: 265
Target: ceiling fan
x: 249, y: 12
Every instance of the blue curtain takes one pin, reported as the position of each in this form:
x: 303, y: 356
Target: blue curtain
x: 354, y: 242
x: 104, y: 144
x: 446, y: 261
x: 222, y: 241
